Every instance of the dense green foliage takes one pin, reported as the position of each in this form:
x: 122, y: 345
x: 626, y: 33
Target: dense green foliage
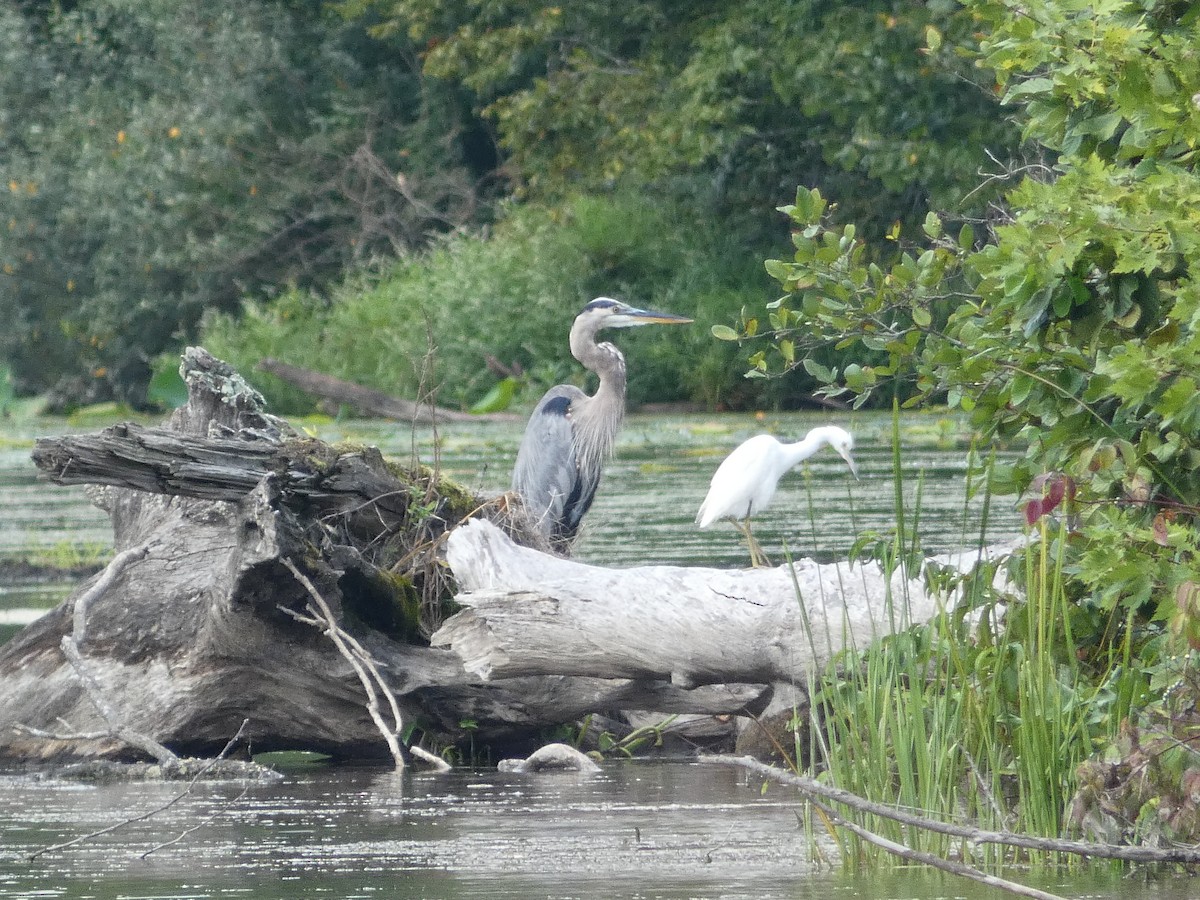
x: 431, y: 323
x: 1071, y: 321
x: 704, y: 112
x: 728, y: 105
x: 163, y: 158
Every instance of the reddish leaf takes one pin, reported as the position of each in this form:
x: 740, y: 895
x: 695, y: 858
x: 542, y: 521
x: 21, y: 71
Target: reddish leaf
x: 1054, y: 487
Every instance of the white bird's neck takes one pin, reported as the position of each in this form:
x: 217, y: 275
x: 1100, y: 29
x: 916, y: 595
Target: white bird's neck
x: 806, y: 446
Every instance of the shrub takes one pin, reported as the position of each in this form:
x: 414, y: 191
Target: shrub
x: 510, y: 295
x: 1071, y: 323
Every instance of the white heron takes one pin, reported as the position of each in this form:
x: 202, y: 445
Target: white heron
x: 746, y: 480
x: 570, y: 435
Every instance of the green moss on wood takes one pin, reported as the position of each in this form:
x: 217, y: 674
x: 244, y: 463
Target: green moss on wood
x: 384, y: 601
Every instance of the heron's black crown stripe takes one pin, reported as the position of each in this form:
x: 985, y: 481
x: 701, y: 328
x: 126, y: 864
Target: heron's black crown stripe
x: 600, y: 304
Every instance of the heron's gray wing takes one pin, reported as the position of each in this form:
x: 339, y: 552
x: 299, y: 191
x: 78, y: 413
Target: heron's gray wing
x: 546, y: 474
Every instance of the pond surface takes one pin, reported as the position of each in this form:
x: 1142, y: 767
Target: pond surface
x: 637, y: 830
x: 643, y: 512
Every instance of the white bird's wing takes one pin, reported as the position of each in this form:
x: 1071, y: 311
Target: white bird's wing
x: 739, y: 481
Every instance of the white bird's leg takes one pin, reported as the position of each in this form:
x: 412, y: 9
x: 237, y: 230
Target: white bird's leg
x: 758, y: 559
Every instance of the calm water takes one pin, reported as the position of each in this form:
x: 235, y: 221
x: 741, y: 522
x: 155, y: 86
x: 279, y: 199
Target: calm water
x: 644, y: 830
x: 637, y: 830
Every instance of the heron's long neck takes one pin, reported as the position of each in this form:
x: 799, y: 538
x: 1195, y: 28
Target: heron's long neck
x: 598, y: 419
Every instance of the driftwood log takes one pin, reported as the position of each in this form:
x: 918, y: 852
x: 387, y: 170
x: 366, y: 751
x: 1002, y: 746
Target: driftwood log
x: 226, y: 522
x: 529, y: 613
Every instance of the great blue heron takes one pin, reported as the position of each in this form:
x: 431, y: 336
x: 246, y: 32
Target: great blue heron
x: 745, y: 481
x: 570, y: 435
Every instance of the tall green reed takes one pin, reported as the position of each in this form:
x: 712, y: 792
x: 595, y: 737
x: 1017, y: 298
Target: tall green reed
x: 979, y: 714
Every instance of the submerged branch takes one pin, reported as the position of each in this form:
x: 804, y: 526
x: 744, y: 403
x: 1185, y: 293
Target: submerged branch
x: 208, y: 765
x: 932, y: 860
x: 813, y: 788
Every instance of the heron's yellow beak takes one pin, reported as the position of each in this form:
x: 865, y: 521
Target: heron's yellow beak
x: 632, y: 316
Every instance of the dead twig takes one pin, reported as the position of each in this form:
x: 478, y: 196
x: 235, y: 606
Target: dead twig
x: 118, y: 565
x: 70, y: 645
x: 68, y: 735
x: 201, y: 824
x: 365, y: 668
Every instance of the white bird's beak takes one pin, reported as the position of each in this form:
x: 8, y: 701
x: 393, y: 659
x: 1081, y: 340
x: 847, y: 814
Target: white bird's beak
x: 845, y: 454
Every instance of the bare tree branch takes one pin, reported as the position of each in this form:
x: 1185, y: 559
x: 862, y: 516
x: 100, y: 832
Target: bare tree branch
x: 111, y: 571
x: 365, y: 667
x: 70, y: 648
x: 929, y: 859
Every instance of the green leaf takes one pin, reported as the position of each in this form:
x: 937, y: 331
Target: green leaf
x: 933, y: 38
x: 1021, y: 386
x: 822, y: 373
x: 932, y: 226
x: 498, y: 398
x: 724, y: 333
x: 857, y: 378
x: 1028, y: 88
x: 778, y: 269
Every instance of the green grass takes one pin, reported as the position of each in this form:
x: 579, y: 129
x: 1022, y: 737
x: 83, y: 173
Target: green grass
x: 67, y: 556
x: 982, y: 714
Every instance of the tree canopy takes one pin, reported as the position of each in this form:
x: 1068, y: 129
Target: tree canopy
x: 164, y: 158
x: 730, y: 103
x: 1067, y: 319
